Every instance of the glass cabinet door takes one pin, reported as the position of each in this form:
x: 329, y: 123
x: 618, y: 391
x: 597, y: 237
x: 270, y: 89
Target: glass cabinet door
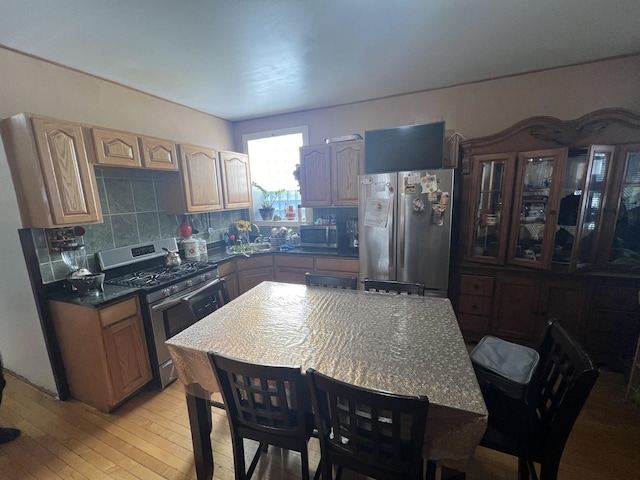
x: 624, y: 252
x: 492, y: 184
x: 535, y: 207
x: 582, y: 239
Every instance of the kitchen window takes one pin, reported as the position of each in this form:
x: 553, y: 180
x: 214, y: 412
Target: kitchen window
x: 273, y: 156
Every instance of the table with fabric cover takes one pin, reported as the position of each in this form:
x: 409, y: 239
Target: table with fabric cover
x: 402, y: 344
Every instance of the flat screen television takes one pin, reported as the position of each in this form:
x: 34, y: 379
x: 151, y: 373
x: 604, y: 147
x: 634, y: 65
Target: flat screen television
x: 399, y: 149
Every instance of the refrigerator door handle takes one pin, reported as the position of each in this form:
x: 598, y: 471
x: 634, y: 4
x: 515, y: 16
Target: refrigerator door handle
x: 401, y: 230
x: 392, y: 247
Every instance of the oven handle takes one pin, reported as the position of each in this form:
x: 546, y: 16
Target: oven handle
x: 172, y: 302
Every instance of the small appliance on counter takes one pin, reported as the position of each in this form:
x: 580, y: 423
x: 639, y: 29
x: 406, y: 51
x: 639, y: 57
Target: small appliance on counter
x: 80, y: 279
x: 352, y: 232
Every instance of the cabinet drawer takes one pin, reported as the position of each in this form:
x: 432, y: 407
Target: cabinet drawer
x: 473, y: 323
x: 119, y: 311
x: 227, y: 268
x: 476, y: 285
x: 475, y: 304
x: 617, y: 298
x: 295, y: 261
x: 258, y: 261
x: 347, y: 265
x: 610, y: 344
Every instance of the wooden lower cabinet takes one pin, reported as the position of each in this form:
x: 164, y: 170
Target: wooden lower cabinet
x: 254, y: 270
x: 613, y: 325
x: 339, y: 266
x: 517, y: 307
x: 103, y: 350
x: 229, y: 272
x: 292, y: 268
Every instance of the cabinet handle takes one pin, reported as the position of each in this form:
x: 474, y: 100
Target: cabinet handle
x: 477, y: 287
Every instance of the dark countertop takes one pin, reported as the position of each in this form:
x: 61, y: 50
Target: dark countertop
x: 221, y: 256
x: 114, y: 293
x: 96, y: 299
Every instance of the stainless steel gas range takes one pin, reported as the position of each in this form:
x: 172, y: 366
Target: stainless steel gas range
x: 163, y: 291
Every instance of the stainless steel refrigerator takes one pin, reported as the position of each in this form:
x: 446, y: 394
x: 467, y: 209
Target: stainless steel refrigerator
x: 404, y: 227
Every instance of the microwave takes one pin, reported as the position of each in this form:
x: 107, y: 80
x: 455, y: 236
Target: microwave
x: 312, y: 235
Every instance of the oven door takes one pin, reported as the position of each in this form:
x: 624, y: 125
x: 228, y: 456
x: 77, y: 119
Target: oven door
x: 171, y: 315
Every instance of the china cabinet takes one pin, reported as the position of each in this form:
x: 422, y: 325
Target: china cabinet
x: 329, y: 174
x: 197, y: 188
x: 54, y: 182
x: 560, y: 198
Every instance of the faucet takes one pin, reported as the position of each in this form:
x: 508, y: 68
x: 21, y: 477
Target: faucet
x: 256, y: 228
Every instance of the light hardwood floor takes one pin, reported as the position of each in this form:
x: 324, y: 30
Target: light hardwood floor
x: 148, y: 438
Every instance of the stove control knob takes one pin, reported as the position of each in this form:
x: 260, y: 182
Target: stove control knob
x: 166, y: 292
x: 189, y: 283
x: 203, y: 277
x: 174, y: 289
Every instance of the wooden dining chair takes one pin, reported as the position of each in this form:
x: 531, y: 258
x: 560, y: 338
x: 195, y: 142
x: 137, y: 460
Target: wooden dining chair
x: 331, y: 281
x: 375, y: 433
x: 265, y: 403
x: 535, y: 426
x: 392, y: 286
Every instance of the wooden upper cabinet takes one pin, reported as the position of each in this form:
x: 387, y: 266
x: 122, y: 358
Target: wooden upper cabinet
x: 329, y: 174
x: 158, y: 154
x: 315, y: 176
x: 346, y: 164
x: 54, y: 182
x: 236, y: 179
x: 115, y: 148
x: 197, y: 188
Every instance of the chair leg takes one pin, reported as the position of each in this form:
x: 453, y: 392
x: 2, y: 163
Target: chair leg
x: 237, y: 444
x: 526, y: 470
x: 304, y: 456
x: 254, y: 463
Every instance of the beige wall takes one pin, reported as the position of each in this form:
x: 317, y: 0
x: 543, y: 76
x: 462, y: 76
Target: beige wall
x: 30, y: 85
x: 476, y: 109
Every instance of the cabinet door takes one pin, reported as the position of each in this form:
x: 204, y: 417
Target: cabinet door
x: 127, y: 357
x: 116, y: 148
x: 250, y: 278
x: 566, y: 302
x: 492, y: 185
x: 201, y: 179
x: 346, y: 164
x: 315, y: 176
x: 70, y: 182
x: 515, y: 308
x: 292, y: 268
x: 621, y: 245
x: 535, y: 207
x: 158, y: 154
x: 236, y: 179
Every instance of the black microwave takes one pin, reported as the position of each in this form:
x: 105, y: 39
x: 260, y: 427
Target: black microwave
x: 312, y: 235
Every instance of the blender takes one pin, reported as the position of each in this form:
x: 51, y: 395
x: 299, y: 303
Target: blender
x: 80, y: 278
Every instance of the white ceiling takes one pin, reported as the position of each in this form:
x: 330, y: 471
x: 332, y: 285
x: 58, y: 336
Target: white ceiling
x: 241, y: 59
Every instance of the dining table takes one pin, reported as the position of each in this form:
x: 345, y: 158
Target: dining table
x: 403, y: 344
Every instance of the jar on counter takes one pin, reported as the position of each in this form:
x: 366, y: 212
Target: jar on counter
x: 191, y: 248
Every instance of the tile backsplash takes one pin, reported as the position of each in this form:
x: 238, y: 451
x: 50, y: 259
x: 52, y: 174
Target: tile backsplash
x: 132, y: 204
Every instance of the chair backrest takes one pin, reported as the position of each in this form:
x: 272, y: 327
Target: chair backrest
x: 391, y: 286
x: 561, y: 384
x: 202, y: 303
x: 331, y: 281
x: 267, y: 403
x: 375, y: 433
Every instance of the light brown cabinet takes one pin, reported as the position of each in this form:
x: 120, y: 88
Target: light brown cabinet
x: 344, y: 267
x: 197, y: 188
x: 103, y: 351
x: 254, y: 270
x: 158, y: 154
x: 292, y: 268
x: 229, y: 272
x: 116, y: 148
x: 236, y: 180
x: 336, y: 165
x: 54, y: 182
x: 123, y: 149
